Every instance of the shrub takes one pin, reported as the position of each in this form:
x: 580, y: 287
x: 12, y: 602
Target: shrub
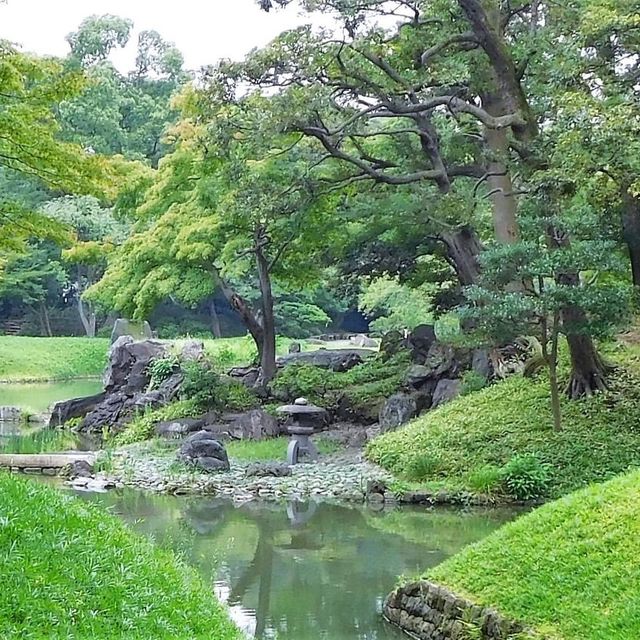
x: 201, y: 385
x: 525, y: 478
x: 472, y: 381
x: 162, y: 369
x: 303, y: 380
x: 235, y: 396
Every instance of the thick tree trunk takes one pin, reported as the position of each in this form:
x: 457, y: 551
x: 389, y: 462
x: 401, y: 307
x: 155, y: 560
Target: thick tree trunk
x: 215, y: 320
x: 503, y: 199
x: 631, y: 232
x: 243, y: 309
x: 588, y: 370
x: 463, y: 248
x: 268, y: 355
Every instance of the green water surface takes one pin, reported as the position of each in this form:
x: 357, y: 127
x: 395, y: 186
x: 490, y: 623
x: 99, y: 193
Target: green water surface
x: 301, y: 571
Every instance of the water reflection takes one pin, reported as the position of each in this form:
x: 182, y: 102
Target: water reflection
x: 303, y: 571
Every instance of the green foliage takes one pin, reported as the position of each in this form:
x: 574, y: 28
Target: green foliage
x: 485, y: 480
x: 396, y: 306
x: 162, y: 369
x: 584, y: 545
x: 472, y: 381
x: 512, y: 418
x: 524, y: 477
x: 201, y: 385
x: 236, y: 397
x: 304, y: 380
x: 421, y: 467
x: 69, y: 569
x: 141, y: 427
x: 23, y: 358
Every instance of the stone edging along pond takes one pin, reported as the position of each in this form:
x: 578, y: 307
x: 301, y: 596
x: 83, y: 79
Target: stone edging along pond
x: 428, y: 611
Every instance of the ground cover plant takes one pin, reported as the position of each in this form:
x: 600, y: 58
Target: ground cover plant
x: 501, y: 440
x: 570, y: 569
x: 70, y: 570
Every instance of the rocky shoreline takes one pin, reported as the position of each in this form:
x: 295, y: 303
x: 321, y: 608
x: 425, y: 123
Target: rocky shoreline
x: 343, y: 476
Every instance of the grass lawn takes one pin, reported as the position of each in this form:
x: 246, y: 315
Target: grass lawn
x: 70, y: 570
x: 25, y: 358
x: 466, y: 444
x: 570, y: 569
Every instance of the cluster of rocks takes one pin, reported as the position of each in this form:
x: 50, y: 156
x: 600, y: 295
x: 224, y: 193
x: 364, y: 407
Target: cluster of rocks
x: 341, y: 478
x: 431, y: 612
x: 434, y: 378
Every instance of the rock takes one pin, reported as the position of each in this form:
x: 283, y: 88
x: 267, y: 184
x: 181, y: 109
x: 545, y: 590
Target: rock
x: 420, y: 341
x: 192, y: 350
x: 10, y: 414
x: 392, y: 343
x: 75, y: 408
x: 255, y: 424
x: 247, y: 375
x: 416, y: 375
x: 441, y: 360
x: 178, y: 428
x: 78, y: 469
x: 355, y: 410
x: 363, y: 341
x: 339, y: 360
x: 295, y: 347
x: 203, y: 451
x: 481, y: 364
x: 135, y: 330
x: 397, y: 410
x: 265, y: 469
x: 126, y: 381
x: 445, y: 391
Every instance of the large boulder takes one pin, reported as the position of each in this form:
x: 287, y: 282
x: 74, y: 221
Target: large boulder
x: 420, y: 341
x: 205, y: 452
x: 75, y: 408
x: 255, y: 424
x: 339, y: 360
x: 134, y: 329
x: 128, y: 362
x: 392, y: 343
x: 179, y: 427
x: 363, y: 341
x: 445, y: 391
x: 397, y: 410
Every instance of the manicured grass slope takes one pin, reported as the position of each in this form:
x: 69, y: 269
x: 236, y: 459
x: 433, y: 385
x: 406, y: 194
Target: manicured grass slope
x: 25, y: 358
x: 600, y: 438
x: 69, y: 570
x: 570, y: 569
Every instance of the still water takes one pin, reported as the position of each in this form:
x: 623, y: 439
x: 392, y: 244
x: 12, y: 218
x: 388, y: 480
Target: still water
x: 37, y: 397
x: 303, y: 571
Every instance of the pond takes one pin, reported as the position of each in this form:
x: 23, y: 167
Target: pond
x: 303, y: 571
x: 37, y: 398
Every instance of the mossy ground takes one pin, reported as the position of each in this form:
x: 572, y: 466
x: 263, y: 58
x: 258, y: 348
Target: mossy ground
x: 69, y: 570
x: 462, y: 445
x: 570, y: 569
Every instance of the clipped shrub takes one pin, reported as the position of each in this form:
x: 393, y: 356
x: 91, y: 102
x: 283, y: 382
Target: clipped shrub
x: 525, y: 478
x: 201, y: 385
x: 236, y: 397
x: 304, y: 380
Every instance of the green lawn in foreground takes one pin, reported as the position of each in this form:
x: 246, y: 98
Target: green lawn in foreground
x: 70, y: 570
x: 570, y: 569
x: 476, y: 434
x: 27, y: 358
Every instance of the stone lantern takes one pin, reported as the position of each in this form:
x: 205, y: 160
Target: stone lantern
x: 302, y: 418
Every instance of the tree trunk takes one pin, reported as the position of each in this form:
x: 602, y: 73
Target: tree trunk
x: 88, y: 319
x: 44, y: 320
x: 215, y: 320
x: 268, y: 355
x: 631, y: 231
x: 463, y: 248
x: 503, y: 199
x: 243, y: 309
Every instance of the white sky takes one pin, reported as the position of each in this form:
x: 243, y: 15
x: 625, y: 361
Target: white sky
x: 204, y: 30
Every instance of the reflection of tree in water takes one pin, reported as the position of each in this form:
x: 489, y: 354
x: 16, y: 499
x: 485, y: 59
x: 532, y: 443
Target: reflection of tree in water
x: 319, y: 575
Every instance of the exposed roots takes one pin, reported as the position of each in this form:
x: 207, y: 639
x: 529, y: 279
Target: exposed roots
x: 583, y: 385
